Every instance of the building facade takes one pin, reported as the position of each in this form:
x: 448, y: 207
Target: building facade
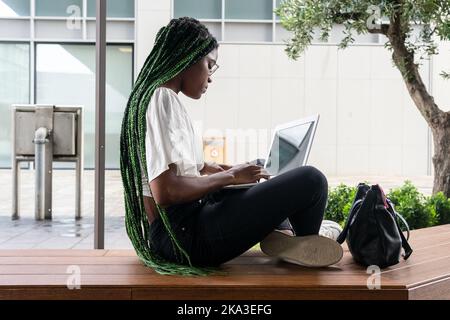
x: 368, y: 123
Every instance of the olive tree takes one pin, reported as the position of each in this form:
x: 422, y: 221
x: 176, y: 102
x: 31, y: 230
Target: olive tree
x: 395, y: 20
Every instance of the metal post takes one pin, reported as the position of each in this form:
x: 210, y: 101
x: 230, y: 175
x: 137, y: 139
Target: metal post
x: 78, y: 181
x: 43, y: 157
x: 15, y: 171
x: 100, y: 84
x: 41, y: 154
x: 79, y: 167
x: 15, y: 188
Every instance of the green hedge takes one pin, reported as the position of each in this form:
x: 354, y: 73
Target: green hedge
x: 340, y: 200
x: 419, y: 211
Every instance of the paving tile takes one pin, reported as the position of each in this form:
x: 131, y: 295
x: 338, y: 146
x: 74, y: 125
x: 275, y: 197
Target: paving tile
x: 13, y: 245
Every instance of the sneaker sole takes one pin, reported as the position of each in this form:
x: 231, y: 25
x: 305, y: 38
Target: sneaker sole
x: 308, y: 251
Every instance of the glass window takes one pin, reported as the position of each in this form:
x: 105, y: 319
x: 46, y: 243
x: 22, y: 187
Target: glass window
x: 14, y: 72
x: 200, y: 9
x: 14, y: 8
x: 114, y: 8
x: 249, y: 9
x: 65, y: 74
x: 59, y: 8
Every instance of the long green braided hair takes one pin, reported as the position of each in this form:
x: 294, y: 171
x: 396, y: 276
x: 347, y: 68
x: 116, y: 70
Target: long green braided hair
x: 180, y: 44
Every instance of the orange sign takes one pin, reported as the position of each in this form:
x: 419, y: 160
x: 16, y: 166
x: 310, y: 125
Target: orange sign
x: 214, y: 149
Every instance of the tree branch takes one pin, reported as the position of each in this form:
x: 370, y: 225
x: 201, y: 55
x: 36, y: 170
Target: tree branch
x: 432, y: 32
x: 404, y: 60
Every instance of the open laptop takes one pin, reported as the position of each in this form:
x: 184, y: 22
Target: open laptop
x: 289, y: 149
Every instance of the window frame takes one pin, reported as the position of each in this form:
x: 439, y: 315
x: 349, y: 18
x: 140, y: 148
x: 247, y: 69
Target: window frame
x: 33, y: 41
x: 274, y: 22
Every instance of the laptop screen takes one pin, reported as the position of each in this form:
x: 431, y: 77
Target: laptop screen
x: 289, y: 148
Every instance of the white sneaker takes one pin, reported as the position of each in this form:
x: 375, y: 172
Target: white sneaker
x: 308, y: 251
x: 330, y: 229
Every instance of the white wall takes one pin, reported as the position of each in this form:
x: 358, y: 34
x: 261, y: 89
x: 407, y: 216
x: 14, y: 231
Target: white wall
x: 150, y: 17
x: 368, y: 125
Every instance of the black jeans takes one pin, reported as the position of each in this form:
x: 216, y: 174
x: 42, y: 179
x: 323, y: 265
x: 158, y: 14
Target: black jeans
x: 226, y: 223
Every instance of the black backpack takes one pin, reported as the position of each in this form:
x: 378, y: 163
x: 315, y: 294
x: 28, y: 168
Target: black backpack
x: 372, y: 231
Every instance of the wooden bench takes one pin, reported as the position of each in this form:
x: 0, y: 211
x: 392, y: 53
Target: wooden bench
x: 118, y: 274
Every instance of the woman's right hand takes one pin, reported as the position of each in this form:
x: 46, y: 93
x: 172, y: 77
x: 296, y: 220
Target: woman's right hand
x: 247, y: 173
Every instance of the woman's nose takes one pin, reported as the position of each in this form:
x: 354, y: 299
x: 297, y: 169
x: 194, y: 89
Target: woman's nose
x: 209, y: 80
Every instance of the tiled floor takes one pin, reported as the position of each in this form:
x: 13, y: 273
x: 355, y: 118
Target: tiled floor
x: 68, y: 233
x: 65, y: 232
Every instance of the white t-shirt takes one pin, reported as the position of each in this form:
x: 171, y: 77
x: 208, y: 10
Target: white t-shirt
x: 170, y: 138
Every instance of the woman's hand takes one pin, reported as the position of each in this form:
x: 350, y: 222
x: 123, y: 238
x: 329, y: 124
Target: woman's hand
x: 212, y: 167
x: 247, y: 173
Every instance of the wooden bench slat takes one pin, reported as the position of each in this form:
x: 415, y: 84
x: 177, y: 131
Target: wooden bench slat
x: 281, y: 268
x: 234, y: 280
x: 427, y: 231
x: 68, y: 260
x: 421, y: 273
x: 47, y: 293
x: 269, y: 293
x: 52, y: 253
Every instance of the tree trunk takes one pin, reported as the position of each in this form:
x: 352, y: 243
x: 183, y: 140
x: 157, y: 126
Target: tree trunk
x: 438, y: 120
x: 441, y: 158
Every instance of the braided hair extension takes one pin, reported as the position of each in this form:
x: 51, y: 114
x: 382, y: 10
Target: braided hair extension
x: 179, y: 45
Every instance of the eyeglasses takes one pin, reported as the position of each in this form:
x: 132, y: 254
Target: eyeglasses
x: 213, y: 69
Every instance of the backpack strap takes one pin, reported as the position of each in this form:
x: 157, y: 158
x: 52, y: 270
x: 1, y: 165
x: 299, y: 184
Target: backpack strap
x: 344, y: 232
x: 362, y: 189
x: 405, y: 244
x: 404, y: 223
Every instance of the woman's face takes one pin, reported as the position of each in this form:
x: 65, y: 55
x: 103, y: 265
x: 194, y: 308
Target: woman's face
x: 195, y: 79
